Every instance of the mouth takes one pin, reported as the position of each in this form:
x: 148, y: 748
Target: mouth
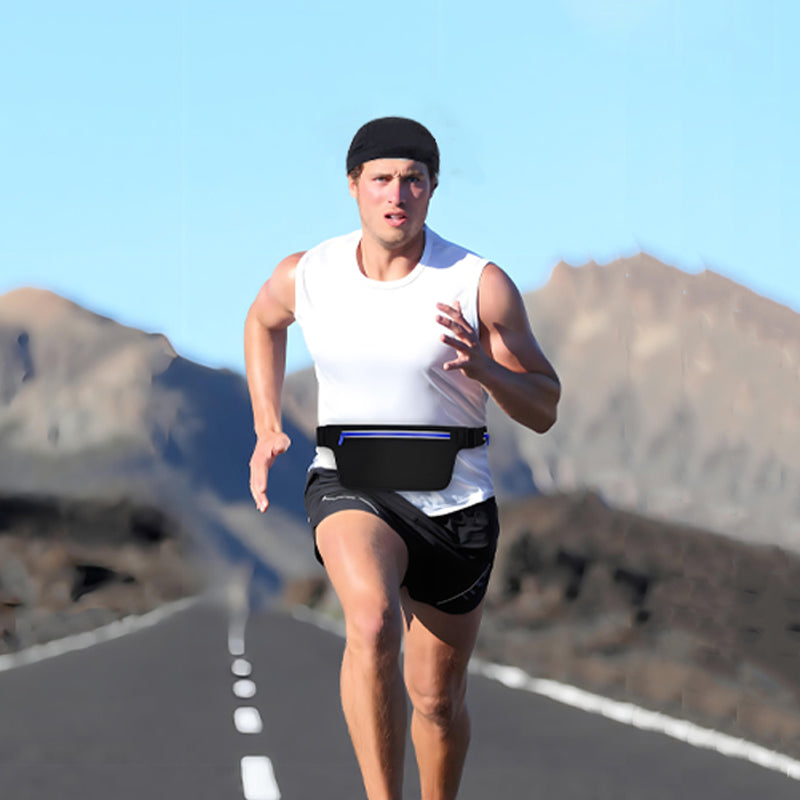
x: 396, y: 218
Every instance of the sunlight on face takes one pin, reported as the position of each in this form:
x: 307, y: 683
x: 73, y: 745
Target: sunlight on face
x: 409, y: 177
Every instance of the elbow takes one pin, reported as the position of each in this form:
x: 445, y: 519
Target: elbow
x: 546, y: 420
x: 548, y: 411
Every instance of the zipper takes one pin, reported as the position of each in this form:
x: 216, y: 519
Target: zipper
x: 393, y: 434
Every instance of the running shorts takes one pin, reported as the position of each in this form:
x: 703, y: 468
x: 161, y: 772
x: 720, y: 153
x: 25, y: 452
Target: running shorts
x: 450, y: 556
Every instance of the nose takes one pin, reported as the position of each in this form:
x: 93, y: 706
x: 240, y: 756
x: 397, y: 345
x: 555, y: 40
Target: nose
x: 395, y: 192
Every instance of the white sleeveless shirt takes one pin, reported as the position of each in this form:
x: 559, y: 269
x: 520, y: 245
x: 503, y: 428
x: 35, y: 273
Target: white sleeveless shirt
x: 379, y: 358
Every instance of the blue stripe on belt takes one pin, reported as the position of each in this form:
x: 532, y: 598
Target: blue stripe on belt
x: 391, y: 434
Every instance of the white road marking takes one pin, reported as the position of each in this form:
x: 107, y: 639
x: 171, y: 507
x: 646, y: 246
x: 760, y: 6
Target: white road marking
x: 241, y: 668
x: 80, y: 641
x: 630, y: 714
x: 235, y: 644
x: 238, y: 603
x: 246, y: 719
x: 258, y: 779
x: 244, y: 688
x: 626, y: 713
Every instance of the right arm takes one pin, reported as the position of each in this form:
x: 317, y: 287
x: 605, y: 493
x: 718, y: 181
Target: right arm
x: 265, y: 363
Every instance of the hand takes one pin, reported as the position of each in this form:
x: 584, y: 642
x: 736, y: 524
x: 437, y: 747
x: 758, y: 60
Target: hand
x: 267, y: 449
x: 471, y: 358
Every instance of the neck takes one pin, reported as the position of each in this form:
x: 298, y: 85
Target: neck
x: 382, y: 263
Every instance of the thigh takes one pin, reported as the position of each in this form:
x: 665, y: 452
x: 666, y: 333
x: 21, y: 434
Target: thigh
x: 438, y: 647
x: 364, y: 558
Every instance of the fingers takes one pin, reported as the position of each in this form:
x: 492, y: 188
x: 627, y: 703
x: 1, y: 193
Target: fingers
x: 264, y: 455
x: 258, y: 487
x: 464, y: 339
x: 453, y: 319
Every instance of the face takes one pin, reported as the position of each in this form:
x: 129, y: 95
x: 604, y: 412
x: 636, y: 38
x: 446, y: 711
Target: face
x: 392, y: 196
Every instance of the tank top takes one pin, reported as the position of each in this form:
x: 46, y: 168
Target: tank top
x: 379, y: 358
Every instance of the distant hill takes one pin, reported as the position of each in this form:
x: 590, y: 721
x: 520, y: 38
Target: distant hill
x: 681, y: 399
x: 92, y: 409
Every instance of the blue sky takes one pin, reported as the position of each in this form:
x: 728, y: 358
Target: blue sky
x: 159, y: 158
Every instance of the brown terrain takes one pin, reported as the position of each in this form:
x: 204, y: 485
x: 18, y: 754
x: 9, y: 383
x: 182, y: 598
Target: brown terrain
x: 69, y: 566
x: 678, y: 619
x: 650, y: 540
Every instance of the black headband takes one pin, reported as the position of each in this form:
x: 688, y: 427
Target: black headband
x: 394, y: 137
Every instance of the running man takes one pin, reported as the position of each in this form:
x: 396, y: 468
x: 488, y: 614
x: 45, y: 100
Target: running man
x: 412, y: 333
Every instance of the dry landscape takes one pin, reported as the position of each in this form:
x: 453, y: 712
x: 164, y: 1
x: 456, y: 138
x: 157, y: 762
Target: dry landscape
x: 651, y: 540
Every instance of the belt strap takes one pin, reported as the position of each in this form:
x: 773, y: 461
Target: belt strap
x: 336, y: 435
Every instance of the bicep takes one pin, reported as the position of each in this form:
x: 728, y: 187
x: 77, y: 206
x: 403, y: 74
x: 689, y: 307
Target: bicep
x: 505, y: 329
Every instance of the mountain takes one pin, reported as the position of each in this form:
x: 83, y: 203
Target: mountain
x: 90, y: 409
x: 681, y: 397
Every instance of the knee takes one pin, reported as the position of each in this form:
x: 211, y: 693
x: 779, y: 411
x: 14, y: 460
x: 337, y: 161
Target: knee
x: 374, y: 632
x: 439, y: 703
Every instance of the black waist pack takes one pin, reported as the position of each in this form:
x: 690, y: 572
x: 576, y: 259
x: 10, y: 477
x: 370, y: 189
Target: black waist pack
x: 401, y: 457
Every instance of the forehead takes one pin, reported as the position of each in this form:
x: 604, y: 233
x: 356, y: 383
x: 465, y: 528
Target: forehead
x: 394, y: 166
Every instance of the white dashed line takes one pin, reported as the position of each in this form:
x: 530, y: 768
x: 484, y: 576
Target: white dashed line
x: 258, y: 775
x: 236, y: 645
x: 241, y: 668
x: 258, y: 779
x: 244, y: 688
x: 246, y: 719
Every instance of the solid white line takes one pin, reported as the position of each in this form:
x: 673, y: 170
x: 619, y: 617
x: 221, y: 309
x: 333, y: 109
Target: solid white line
x: 241, y: 668
x: 641, y: 718
x: 258, y: 779
x: 626, y: 713
x: 244, y: 688
x: 80, y: 641
x: 246, y: 719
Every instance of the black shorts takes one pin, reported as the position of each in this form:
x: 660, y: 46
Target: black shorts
x: 450, y: 557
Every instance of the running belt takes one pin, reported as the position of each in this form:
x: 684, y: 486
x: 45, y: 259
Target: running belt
x: 400, y: 457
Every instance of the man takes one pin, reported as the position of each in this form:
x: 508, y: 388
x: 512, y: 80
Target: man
x: 408, y: 331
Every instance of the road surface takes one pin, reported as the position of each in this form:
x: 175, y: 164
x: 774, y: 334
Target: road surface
x: 154, y: 715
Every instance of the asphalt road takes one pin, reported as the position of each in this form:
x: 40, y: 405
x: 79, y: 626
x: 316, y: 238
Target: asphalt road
x: 151, y: 715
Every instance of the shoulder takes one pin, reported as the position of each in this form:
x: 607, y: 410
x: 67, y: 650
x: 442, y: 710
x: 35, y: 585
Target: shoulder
x: 499, y: 299
x: 284, y: 274
x: 274, y: 303
x: 493, y: 278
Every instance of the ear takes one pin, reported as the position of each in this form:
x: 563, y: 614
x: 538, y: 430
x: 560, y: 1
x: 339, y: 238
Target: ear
x: 352, y: 185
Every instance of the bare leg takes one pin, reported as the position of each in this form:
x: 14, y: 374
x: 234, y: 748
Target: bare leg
x: 437, y: 653
x: 366, y: 560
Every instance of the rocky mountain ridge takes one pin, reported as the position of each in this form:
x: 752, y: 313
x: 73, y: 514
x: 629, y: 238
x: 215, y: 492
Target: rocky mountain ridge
x: 681, y: 396
x: 90, y: 409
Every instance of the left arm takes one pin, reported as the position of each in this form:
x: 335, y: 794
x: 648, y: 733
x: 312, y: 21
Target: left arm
x: 503, y: 356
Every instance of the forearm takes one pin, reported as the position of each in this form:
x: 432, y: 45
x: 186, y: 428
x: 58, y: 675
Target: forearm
x: 265, y: 363
x: 529, y: 398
